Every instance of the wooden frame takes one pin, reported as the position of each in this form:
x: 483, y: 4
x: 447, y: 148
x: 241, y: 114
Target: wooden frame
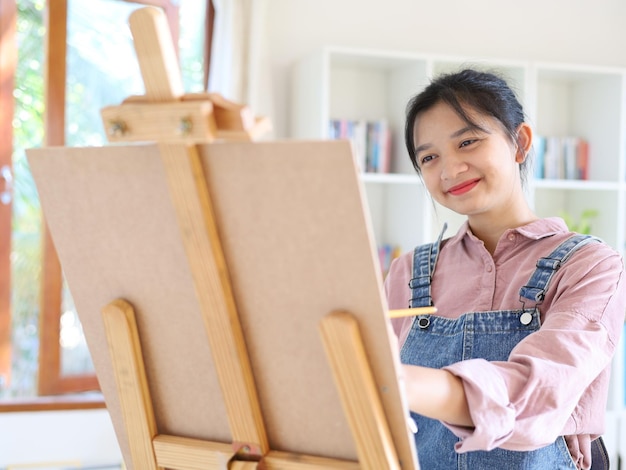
x: 8, y: 64
x: 51, y: 381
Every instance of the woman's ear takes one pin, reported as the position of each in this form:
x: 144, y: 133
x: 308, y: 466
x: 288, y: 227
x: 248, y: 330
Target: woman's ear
x: 524, y: 142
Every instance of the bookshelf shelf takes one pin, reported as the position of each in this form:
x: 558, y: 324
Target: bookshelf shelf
x: 576, y: 185
x: 391, y: 178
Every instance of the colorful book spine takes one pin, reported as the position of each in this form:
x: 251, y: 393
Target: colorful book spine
x: 561, y: 158
x: 386, y: 254
x: 371, y: 141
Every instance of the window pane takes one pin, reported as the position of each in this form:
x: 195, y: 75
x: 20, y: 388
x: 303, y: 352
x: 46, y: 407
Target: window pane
x: 191, y: 44
x: 75, y: 357
x: 102, y: 68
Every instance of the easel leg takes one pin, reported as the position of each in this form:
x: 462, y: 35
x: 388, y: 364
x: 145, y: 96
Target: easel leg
x: 194, y: 210
x: 132, y: 386
x: 357, y: 389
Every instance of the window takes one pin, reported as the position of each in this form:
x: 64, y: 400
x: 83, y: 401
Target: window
x: 91, y: 64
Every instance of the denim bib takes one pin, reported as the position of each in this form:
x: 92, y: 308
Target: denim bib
x: 435, y: 341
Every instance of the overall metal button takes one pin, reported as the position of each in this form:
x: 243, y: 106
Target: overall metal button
x: 525, y: 318
x: 423, y: 322
x: 412, y: 425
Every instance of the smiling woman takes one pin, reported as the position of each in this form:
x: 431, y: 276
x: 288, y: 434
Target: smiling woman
x: 42, y: 349
x: 513, y: 370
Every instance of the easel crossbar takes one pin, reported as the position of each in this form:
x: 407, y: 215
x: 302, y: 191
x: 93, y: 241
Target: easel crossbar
x: 181, y: 453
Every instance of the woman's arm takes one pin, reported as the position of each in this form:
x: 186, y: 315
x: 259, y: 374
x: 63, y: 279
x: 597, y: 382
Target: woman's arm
x: 437, y: 394
x: 434, y: 393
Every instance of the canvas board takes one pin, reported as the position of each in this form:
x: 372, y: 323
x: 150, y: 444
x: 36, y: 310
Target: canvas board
x: 296, y: 236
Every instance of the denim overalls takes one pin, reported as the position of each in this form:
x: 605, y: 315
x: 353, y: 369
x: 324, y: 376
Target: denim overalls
x: 435, y: 341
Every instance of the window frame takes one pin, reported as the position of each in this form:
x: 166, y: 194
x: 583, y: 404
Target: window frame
x: 55, y: 391
x: 51, y: 381
x: 8, y: 66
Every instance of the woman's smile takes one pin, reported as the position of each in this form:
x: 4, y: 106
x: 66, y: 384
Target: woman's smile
x: 464, y: 187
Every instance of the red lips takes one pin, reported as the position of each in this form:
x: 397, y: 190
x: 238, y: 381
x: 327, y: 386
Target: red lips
x: 463, y: 187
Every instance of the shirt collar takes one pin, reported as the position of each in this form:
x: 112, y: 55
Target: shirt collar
x: 540, y: 228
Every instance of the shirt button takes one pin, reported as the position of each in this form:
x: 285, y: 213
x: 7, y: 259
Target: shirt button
x: 489, y: 268
x: 511, y: 237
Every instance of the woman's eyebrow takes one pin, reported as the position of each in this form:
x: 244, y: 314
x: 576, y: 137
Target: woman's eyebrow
x: 455, y: 134
x: 462, y: 131
x: 421, y: 148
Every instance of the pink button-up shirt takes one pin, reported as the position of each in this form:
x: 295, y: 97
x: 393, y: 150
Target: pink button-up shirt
x: 556, y: 380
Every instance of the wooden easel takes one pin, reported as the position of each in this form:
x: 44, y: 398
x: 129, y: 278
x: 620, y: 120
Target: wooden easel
x: 178, y: 122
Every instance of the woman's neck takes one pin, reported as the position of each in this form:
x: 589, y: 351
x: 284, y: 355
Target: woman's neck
x: 490, y: 227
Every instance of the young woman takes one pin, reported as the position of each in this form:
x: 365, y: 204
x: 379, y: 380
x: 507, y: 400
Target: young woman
x: 513, y: 370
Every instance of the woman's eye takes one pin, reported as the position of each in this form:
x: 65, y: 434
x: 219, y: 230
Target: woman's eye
x: 426, y: 159
x: 467, y: 142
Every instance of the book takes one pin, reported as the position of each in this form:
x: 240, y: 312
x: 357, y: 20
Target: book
x: 371, y: 141
x: 386, y: 254
x: 561, y: 158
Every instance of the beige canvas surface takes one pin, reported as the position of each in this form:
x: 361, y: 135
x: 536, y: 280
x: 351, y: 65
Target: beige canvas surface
x: 298, y: 245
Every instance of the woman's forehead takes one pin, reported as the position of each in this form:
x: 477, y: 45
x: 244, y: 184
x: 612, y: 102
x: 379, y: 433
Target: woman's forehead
x: 443, y: 117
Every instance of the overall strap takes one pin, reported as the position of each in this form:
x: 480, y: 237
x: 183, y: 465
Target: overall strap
x: 424, y: 262
x: 536, y: 287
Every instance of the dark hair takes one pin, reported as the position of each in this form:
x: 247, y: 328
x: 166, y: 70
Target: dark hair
x: 484, y: 92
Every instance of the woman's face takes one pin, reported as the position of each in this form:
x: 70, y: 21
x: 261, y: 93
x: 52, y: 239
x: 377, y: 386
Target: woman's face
x: 468, y: 170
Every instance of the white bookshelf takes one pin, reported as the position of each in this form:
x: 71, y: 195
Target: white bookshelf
x: 559, y: 100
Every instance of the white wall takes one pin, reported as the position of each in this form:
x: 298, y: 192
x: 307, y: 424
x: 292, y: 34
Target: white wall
x: 62, y: 437
x: 573, y: 31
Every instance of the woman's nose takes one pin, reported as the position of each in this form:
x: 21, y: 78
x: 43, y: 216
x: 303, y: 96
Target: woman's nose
x: 452, y: 167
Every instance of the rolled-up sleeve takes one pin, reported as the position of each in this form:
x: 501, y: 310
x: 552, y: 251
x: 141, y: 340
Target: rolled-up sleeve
x: 554, y: 382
